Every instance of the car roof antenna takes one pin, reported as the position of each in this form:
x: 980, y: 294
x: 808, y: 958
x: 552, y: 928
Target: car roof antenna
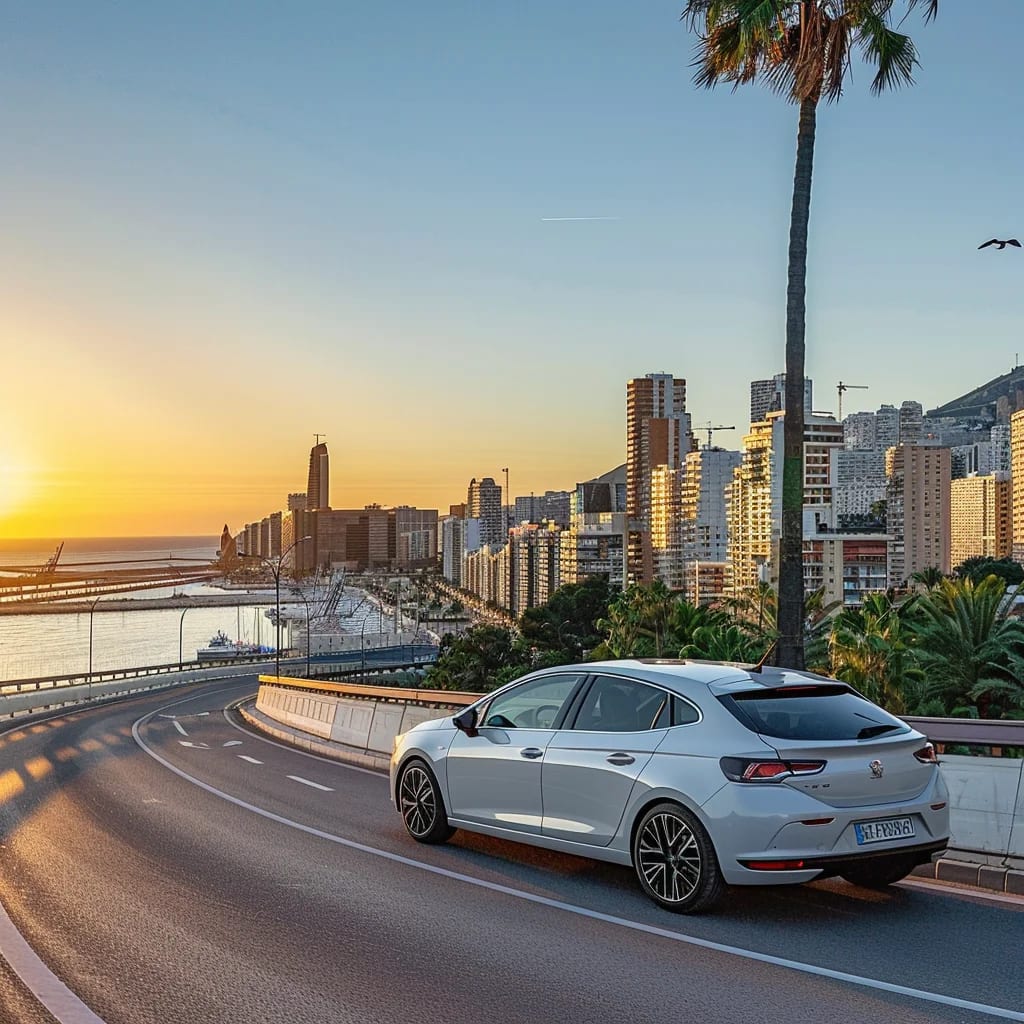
x: 764, y: 657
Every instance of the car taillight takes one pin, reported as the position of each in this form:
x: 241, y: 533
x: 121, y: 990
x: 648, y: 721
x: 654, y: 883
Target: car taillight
x: 746, y: 769
x: 926, y: 755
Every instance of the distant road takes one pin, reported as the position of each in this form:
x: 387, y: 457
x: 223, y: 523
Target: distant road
x: 170, y: 867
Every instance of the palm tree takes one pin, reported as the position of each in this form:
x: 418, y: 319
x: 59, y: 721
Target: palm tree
x: 870, y: 648
x: 929, y: 578
x: 802, y: 49
x: 971, y: 649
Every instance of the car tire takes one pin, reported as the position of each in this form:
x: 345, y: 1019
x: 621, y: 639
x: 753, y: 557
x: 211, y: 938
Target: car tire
x: 421, y: 804
x: 878, y: 874
x: 675, y: 860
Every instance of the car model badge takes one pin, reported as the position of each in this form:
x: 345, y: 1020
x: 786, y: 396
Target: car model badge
x: 877, y: 769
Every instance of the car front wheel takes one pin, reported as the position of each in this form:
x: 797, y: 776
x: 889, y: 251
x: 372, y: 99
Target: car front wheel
x: 675, y: 860
x: 421, y: 804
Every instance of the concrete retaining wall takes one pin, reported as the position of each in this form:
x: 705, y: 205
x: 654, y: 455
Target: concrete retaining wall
x: 367, y: 725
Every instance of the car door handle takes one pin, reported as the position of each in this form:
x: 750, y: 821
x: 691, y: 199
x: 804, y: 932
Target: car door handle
x: 531, y: 752
x: 620, y: 759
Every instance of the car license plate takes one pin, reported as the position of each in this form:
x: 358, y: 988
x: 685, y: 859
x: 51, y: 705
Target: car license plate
x: 880, y: 831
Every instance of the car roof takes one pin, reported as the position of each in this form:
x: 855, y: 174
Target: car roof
x: 719, y: 676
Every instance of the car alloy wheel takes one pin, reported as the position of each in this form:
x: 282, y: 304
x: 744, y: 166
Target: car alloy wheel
x: 675, y: 861
x: 419, y: 798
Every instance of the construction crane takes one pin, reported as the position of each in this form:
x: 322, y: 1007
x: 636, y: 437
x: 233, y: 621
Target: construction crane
x: 710, y: 429
x: 841, y: 387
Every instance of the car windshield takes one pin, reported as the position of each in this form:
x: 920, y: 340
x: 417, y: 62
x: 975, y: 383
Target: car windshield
x: 812, y: 713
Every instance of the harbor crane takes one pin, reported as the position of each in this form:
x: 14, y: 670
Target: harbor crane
x: 710, y: 430
x: 841, y: 387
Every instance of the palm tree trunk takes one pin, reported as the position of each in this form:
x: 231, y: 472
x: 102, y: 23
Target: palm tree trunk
x: 791, y: 566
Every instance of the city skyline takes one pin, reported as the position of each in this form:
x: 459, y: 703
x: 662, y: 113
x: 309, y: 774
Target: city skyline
x: 362, y: 224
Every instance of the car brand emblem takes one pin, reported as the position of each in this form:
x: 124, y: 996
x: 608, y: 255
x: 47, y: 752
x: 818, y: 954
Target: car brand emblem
x: 877, y: 769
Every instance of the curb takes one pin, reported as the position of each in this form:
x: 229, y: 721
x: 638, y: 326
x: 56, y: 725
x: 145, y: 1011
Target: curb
x: 995, y: 878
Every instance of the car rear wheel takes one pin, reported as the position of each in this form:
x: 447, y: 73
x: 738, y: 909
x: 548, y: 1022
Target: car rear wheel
x: 421, y: 804
x: 675, y: 860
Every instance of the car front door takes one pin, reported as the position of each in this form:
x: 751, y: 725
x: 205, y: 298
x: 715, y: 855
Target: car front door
x: 590, y: 767
x: 494, y: 776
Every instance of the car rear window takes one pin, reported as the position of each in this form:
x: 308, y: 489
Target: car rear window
x: 812, y: 713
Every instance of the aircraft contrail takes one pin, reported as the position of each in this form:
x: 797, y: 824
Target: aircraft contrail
x: 578, y: 218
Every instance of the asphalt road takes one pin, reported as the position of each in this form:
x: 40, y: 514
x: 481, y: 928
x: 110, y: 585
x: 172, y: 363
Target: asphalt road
x: 171, y: 867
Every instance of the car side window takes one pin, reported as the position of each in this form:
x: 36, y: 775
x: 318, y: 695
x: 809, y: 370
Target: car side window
x: 534, y: 705
x: 613, y: 704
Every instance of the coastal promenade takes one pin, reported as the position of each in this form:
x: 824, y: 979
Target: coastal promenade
x: 109, y: 604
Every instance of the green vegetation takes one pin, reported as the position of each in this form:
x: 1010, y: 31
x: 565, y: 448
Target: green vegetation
x: 952, y: 650
x: 801, y: 49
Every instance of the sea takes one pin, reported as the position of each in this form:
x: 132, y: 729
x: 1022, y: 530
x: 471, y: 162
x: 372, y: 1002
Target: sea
x: 33, y: 646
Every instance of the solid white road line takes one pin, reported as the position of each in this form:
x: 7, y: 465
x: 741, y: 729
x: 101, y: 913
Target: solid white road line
x: 251, y: 760
x: 306, y: 782
x: 63, y: 1005
x: 179, y: 727
x: 570, y: 908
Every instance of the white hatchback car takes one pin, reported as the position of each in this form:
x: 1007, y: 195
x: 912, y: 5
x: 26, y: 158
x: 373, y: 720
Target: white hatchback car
x: 699, y: 774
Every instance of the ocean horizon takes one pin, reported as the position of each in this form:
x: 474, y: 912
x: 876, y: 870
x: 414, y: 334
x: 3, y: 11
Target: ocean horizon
x: 29, y: 551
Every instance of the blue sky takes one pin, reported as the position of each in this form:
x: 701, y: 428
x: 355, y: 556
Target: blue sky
x: 229, y: 225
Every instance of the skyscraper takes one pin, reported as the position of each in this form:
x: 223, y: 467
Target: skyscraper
x: 980, y: 517
x: 483, y: 502
x: 658, y: 433
x: 770, y: 396
x: 318, y: 489
x: 918, y: 510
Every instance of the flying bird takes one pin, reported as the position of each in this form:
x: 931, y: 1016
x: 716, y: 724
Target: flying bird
x: 1001, y: 242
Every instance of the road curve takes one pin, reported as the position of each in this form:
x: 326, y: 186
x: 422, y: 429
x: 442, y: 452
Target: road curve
x: 168, y: 866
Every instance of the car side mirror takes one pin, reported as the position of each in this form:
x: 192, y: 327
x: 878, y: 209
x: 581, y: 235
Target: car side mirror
x: 466, y: 721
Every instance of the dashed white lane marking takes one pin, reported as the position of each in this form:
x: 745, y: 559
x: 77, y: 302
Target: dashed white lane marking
x: 570, y: 908
x: 233, y: 743
x: 251, y: 760
x: 195, y: 746
x: 306, y: 782
x: 177, y: 725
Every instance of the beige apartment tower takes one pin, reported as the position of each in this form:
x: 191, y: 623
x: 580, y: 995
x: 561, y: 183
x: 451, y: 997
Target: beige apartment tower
x: 979, y: 515
x: 1017, y: 484
x: 918, y: 494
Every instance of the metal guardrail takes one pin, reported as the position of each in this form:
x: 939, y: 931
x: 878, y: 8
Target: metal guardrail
x: 982, y: 732
x: 389, y: 694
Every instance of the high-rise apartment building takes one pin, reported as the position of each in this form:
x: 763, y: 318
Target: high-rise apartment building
x: 859, y: 430
x: 770, y: 396
x: 887, y: 427
x: 296, y: 501
x: 459, y: 538
x: 483, y: 502
x: 596, y: 542
x: 658, y: 433
x: 754, y: 499
x: 1017, y: 483
x: 999, y: 439
x: 318, y: 487
x: 534, y: 564
x: 666, y: 538
x: 703, y: 524
x: 979, y: 517
x: 911, y: 423
x: 858, y: 484
x: 918, y: 510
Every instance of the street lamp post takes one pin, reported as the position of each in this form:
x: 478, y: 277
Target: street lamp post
x: 302, y: 598
x: 181, y: 634
x: 276, y: 568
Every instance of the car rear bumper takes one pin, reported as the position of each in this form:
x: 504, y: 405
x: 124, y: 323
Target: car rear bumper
x: 835, y: 864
